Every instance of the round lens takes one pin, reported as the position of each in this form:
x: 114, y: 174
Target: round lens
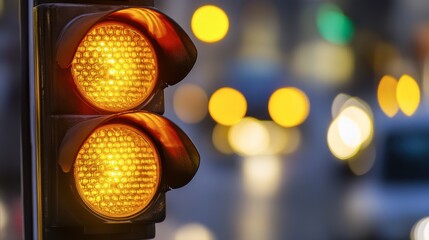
x: 115, y: 67
x: 117, y: 171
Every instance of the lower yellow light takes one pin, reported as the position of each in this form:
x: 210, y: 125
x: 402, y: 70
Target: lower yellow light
x: 210, y: 23
x: 227, y: 106
x: 408, y: 95
x: 386, y: 95
x: 289, y: 107
x: 115, y: 67
x: 117, y: 171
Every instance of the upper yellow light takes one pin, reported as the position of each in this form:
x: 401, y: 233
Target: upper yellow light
x: 227, y: 106
x: 289, y: 107
x: 117, y: 171
x: 386, y: 95
x: 115, y: 67
x: 210, y: 23
x: 408, y: 95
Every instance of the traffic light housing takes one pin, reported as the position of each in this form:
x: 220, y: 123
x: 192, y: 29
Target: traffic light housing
x: 105, y: 157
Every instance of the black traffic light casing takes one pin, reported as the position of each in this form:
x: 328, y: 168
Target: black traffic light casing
x: 64, y: 119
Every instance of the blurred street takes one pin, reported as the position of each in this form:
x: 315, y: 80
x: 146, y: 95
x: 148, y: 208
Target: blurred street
x: 311, y: 119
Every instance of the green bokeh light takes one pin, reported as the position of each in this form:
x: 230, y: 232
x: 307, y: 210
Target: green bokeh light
x: 333, y: 25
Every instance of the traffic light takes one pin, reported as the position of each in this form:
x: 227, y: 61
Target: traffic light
x: 105, y: 157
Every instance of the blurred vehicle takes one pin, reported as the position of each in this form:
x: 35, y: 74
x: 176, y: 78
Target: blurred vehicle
x: 394, y: 196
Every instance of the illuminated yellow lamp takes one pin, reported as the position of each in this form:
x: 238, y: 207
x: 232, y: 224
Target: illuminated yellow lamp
x: 194, y: 231
x: 190, y: 103
x: 338, y: 147
x: 356, y: 116
x: 220, y: 139
x: 210, y: 23
x: 362, y: 163
x: 227, y: 106
x: 289, y: 107
x: 249, y: 137
x: 324, y: 62
x: 262, y: 175
x: 117, y: 171
x: 386, y: 95
x: 420, y: 230
x: 338, y: 103
x: 408, y: 95
x: 115, y: 67
x: 282, y: 140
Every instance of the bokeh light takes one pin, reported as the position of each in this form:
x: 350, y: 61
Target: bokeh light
x: 194, y: 231
x: 210, y: 23
x: 3, y: 217
x: 227, y: 106
x: 363, y: 162
x: 386, y: 95
x: 324, y: 62
x: 289, y: 107
x: 260, y: 34
x: 190, y: 103
x: 352, y: 129
x: 220, y: 139
x: 425, y: 80
x: 338, y: 103
x: 262, y: 175
x: 384, y: 54
x: 349, y: 131
x: 1, y: 7
x: 282, y: 140
x: 333, y: 25
x: 363, y: 121
x: 420, y: 230
x: 336, y: 144
x: 249, y: 137
x: 408, y: 95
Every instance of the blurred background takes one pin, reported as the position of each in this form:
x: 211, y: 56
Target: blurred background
x: 311, y: 118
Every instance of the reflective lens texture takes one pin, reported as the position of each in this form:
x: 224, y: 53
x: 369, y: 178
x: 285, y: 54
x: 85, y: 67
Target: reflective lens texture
x: 117, y: 171
x: 115, y: 67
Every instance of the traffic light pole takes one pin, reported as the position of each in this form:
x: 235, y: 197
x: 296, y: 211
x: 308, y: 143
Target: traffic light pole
x: 27, y: 161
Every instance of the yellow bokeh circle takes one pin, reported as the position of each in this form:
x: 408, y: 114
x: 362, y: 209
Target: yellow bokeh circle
x: 386, y: 95
x: 210, y: 23
x: 289, y: 107
x: 408, y: 95
x: 227, y: 106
